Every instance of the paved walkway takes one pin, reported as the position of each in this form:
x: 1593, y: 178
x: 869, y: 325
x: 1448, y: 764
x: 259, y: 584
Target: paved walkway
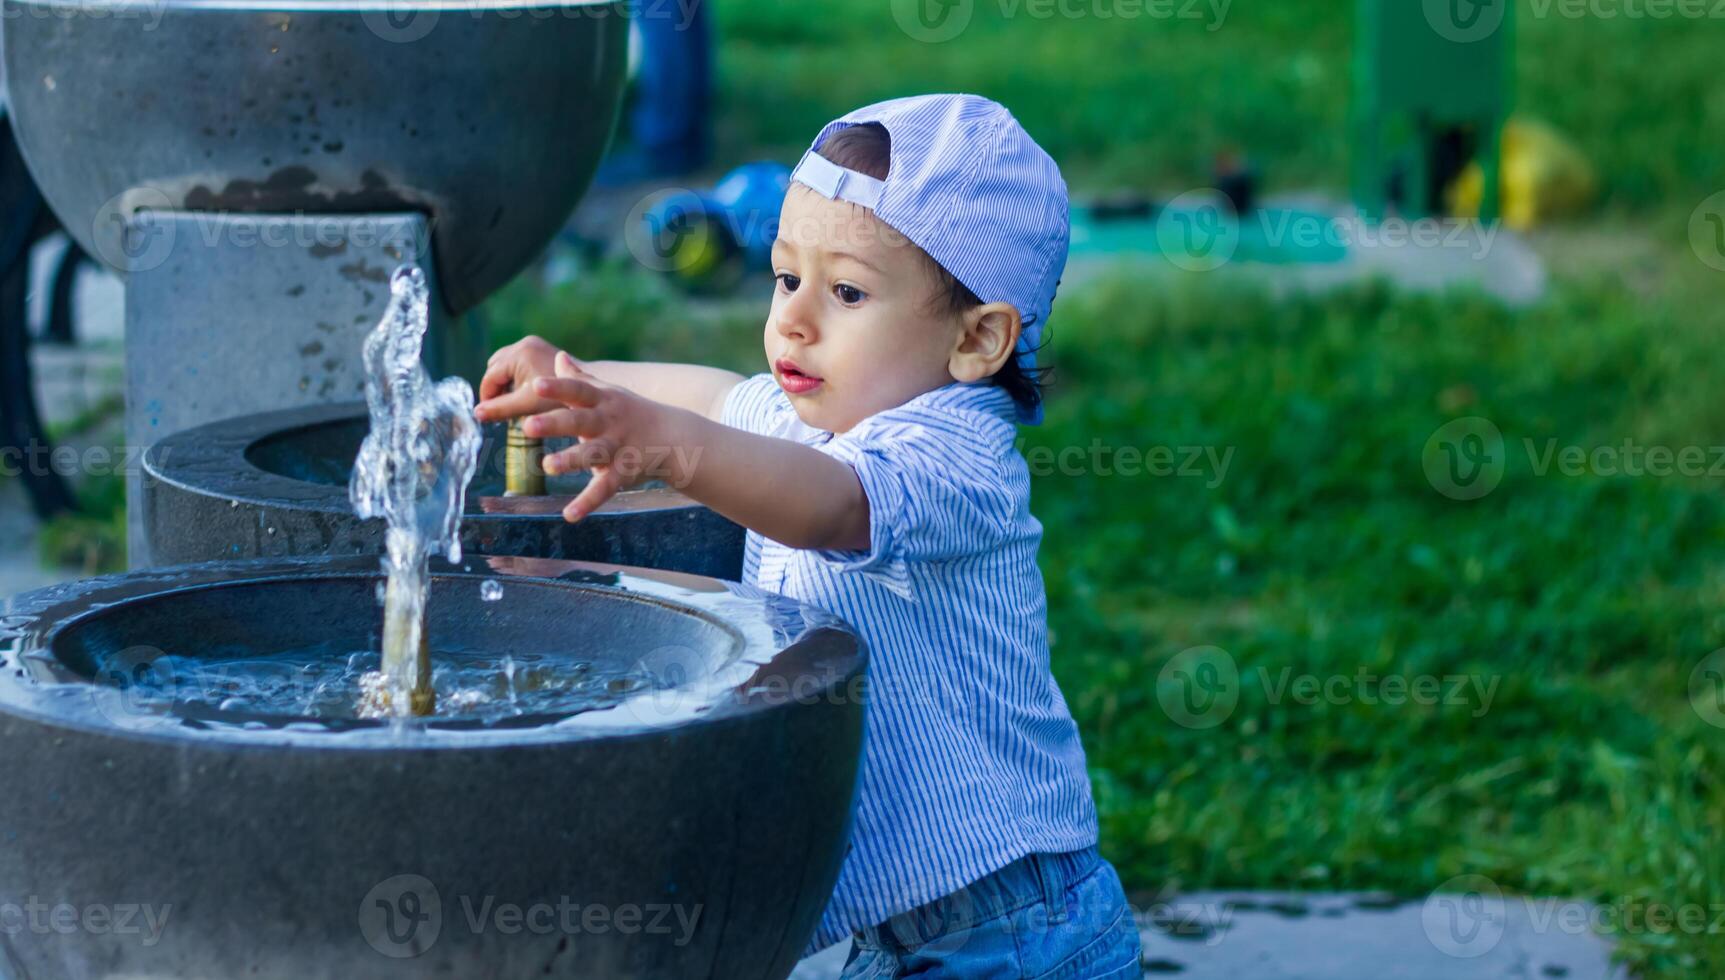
x: 1278, y: 936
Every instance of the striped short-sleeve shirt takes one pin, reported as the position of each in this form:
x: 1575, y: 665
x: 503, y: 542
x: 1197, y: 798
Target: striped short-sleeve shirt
x: 971, y: 758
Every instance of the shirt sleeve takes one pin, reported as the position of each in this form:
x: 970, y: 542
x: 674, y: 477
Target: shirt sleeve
x: 755, y: 405
x: 939, y: 486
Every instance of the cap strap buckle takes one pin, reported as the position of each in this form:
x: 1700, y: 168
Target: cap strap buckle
x: 836, y: 182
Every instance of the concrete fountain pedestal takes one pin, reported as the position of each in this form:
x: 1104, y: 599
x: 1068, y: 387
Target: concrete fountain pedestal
x: 691, y: 829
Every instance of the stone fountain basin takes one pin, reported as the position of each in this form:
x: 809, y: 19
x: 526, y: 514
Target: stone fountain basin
x: 275, y: 485
x: 489, y: 117
x: 279, y: 847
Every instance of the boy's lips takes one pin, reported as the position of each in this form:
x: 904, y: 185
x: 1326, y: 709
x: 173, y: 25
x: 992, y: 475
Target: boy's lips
x: 794, y: 379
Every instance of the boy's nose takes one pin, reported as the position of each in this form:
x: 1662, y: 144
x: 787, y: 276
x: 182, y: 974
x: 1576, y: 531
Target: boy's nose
x: 796, y: 320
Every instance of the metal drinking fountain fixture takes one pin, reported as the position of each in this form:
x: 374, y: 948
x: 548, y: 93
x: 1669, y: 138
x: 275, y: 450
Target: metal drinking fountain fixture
x: 256, y: 168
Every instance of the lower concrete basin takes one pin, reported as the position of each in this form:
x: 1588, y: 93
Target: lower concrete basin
x: 688, y: 824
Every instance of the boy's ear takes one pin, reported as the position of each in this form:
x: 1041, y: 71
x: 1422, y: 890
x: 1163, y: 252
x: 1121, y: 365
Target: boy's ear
x: 988, y: 337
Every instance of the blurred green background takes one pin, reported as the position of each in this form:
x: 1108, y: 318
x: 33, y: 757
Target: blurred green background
x: 1584, y: 603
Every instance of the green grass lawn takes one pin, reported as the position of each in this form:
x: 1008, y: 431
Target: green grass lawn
x: 1572, y: 607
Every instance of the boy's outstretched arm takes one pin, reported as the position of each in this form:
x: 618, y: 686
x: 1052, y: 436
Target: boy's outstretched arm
x: 506, y: 391
x: 788, y: 492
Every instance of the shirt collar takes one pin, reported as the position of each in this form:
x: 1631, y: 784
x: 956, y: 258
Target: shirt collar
x: 975, y: 396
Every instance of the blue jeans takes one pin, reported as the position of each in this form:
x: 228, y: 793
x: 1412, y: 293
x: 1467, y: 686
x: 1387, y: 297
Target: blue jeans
x: 1042, y: 916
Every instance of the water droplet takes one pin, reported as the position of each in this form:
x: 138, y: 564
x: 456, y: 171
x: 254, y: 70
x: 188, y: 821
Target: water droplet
x: 382, y: 590
x: 491, y: 590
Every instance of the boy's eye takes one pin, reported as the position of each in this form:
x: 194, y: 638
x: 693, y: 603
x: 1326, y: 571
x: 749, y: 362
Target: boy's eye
x: 848, y: 295
x: 788, y: 281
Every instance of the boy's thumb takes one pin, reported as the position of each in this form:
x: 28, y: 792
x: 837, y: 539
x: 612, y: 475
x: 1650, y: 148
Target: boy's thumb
x: 566, y: 366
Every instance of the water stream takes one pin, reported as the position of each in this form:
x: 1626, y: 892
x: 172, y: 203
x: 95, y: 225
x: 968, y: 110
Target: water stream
x: 412, y: 471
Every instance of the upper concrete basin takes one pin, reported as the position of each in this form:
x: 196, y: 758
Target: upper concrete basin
x: 490, y: 117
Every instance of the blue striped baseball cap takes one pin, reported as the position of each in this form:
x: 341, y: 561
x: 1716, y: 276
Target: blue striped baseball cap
x: 970, y: 187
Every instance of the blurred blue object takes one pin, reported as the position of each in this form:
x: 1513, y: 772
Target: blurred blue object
x: 709, y: 240
x: 750, y: 197
x: 669, y: 121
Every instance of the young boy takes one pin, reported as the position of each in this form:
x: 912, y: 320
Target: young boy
x: 918, y: 253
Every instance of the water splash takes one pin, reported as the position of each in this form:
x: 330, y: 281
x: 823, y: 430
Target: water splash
x: 412, y: 471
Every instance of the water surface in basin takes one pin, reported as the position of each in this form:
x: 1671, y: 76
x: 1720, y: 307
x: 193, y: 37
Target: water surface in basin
x: 328, y: 682
x: 505, y: 655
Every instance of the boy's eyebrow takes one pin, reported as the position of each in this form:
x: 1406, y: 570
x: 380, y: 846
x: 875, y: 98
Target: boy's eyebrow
x: 858, y: 260
x: 836, y: 253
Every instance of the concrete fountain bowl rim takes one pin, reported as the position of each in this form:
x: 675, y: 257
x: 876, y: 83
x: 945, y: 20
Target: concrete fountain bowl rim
x: 194, y: 461
x: 772, y: 669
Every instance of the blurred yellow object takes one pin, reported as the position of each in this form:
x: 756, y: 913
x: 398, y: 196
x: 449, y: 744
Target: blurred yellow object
x: 1544, y: 176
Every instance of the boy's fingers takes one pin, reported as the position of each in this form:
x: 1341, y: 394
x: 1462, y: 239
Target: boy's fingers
x: 569, y: 391
x: 585, y: 456
x: 499, y: 378
x: 509, y: 405
x: 603, y: 487
x: 564, y: 422
x: 566, y: 366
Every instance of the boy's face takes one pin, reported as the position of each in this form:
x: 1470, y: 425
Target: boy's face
x: 854, y: 329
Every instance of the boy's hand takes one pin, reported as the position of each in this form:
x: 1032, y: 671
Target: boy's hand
x: 615, y: 427
x: 506, y: 391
